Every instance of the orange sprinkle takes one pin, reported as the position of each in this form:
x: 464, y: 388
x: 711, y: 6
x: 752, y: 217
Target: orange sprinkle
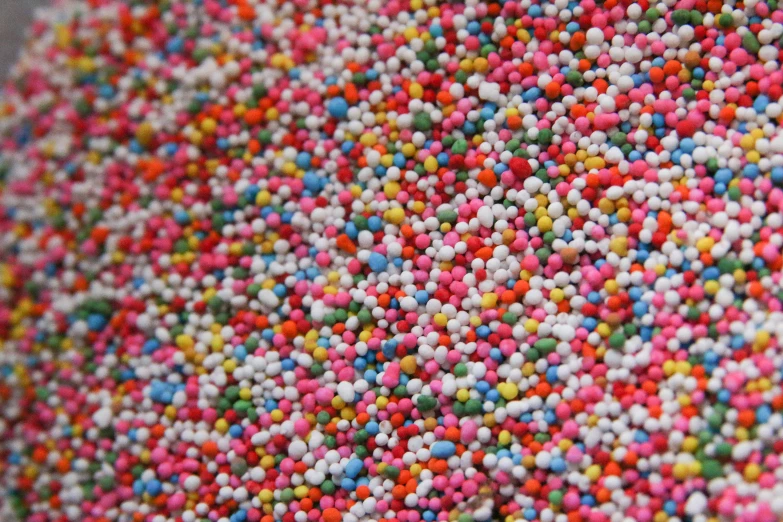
x: 331, y: 515
x: 487, y: 178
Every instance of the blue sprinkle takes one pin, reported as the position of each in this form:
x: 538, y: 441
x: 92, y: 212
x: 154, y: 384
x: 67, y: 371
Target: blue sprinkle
x: 639, y: 308
x: 558, y: 465
x: 303, y: 160
x: 372, y: 428
x: 353, y: 468
x: 154, y: 487
x: 338, y: 107
x: 687, y: 145
x: 150, y: 346
x: 760, y: 104
x: 377, y: 262
x: 443, y: 449
x: 96, y: 322
x: 763, y: 413
x: 374, y: 223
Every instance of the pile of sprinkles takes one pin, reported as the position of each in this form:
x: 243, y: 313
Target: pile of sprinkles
x: 393, y: 261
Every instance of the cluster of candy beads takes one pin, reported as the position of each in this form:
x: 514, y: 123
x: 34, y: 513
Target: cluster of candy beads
x: 393, y: 261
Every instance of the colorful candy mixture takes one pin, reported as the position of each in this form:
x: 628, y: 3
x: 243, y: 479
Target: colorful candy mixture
x: 393, y: 261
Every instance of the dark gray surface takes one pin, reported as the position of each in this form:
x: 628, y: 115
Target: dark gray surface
x: 15, y: 17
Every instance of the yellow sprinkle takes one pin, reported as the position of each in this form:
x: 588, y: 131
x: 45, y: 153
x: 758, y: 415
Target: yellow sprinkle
x: 606, y: 206
x: 431, y: 164
x: 145, y: 133
x: 594, y: 163
x: 268, y: 462
x: 62, y: 36
x: 440, y: 319
x: 752, y: 472
x: 408, y: 364
x: 408, y: 150
x: 603, y: 330
x: 184, y: 341
x: 705, y: 244
x: 208, y: 126
x: 680, y: 471
x: 394, y: 215
x: 711, y: 287
x: 289, y: 167
x: 508, y: 391
x: 619, y: 245
x: 170, y: 412
x: 217, y: 343
x: 481, y: 65
x: 221, y: 425
x: 690, y: 444
x: 747, y: 142
x: 348, y: 413
x: 368, y: 139
x: 545, y: 224
x: 489, y: 300
x: 682, y: 367
x: 762, y: 339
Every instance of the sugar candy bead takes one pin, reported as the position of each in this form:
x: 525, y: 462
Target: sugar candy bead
x: 393, y: 261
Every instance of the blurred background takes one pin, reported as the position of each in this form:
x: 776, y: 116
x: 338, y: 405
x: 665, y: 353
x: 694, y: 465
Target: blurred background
x: 15, y: 17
